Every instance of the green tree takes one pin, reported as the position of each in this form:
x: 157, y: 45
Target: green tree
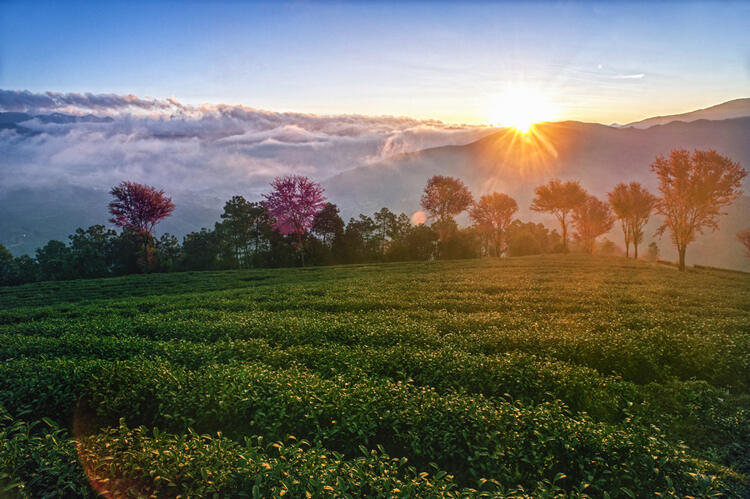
x: 6, y: 266
x: 168, y: 252
x: 327, y: 224
x: 55, y: 261
x: 200, y: 250
x: 91, y: 251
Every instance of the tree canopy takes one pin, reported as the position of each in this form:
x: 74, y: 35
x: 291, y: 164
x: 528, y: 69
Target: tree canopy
x: 560, y: 199
x: 694, y: 187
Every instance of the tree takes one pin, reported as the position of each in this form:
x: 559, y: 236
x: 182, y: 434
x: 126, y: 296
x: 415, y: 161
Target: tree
x: 199, y: 250
x: 560, y: 199
x: 293, y: 204
x: 55, y: 262
x: 694, y: 187
x: 744, y: 238
x: 91, y: 251
x: 6, y: 266
x: 653, y: 251
x: 532, y: 239
x: 126, y: 248
x: 328, y: 224
x: 632, y: 205
x: 359, y: 242
x: 385, y: 220
x: 26, y: 270
x: 235, y: 230
x: 445, y: 197
x: 492, y: 215
x: 592, y: 219
x: 168, y: 251
x: 139, y: 207
x: 619, y: 199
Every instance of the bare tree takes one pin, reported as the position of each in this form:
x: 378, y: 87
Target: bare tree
x: 559, y: 198
x: 694, y: 187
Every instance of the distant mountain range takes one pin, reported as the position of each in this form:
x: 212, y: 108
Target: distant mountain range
x: 13, y: 121
x: 736, y: 108
x: 599, y: 156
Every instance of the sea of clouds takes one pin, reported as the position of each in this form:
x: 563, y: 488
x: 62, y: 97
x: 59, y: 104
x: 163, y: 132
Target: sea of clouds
x: 212, y: 150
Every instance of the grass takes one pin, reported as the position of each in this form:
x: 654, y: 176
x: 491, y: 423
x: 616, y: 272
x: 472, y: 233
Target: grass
x: 523, y: 376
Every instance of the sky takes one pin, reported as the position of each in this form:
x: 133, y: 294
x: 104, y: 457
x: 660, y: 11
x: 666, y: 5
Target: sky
x: 614, y: 62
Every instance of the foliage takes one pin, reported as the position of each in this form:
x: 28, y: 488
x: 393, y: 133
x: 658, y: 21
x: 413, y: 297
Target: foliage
x: 293, y: 203
x: 532, y: 239
x: 139, y: 208
x: 653, y: 251
x: 632, y: 205
x: 328, y: 224
x: 492, y: 215
x: 560, y: 199
x: 592, y: 219
x: 744, y: 238
x: 694, y: 188
x: 445, y: 197
x: 539, y: 376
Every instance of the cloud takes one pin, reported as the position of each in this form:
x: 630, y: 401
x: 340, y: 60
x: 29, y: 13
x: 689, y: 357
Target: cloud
x: 209, y: 152
x: 634, y: 76
x: 25, y: 101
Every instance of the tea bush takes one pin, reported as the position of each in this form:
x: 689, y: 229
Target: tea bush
x: 526, y: 376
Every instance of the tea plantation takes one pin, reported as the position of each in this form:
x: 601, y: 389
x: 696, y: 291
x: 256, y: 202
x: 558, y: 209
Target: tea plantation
x: 537, y: 376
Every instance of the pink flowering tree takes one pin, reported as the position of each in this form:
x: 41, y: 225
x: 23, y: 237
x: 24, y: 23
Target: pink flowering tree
x: 139, y: 208
x: 293, y: 204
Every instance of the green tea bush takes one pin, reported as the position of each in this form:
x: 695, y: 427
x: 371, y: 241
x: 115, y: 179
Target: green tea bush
x: 542, y: 376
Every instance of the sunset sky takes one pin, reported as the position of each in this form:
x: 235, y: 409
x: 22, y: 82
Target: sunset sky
x: 452, y: 62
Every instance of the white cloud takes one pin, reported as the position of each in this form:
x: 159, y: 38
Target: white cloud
x: 209, y: 150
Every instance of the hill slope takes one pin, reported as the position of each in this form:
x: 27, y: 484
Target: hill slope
x: 464, y: 364
x: 737, y: 108
x: 598, y: 156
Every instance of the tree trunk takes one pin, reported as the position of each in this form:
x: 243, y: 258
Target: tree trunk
x: 300, y: 249
x: 681, y: 251
x: 627, y: 250
x: 145, y: 253
x: 564, y: 235
x: 635, y: 251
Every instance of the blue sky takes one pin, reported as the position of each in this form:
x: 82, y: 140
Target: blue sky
x: 449, y: 61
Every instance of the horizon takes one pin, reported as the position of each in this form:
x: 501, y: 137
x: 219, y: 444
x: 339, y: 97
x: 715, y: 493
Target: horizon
x: 467, y: 64
x: 147, y: 106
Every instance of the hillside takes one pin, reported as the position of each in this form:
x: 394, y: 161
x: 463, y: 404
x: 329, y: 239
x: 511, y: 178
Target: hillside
x: 549, y: 374
x: 598, y: 156
x: 737, y: 108
x: 54, y: 184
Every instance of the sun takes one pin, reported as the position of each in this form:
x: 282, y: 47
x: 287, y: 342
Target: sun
x: 520, y: 107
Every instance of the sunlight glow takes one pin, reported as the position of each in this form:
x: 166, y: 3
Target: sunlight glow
x: 520, y: 107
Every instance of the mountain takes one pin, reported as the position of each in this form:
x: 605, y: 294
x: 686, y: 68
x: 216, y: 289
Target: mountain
x: 48, y: 196
x: 598, y: 156
x: 736, y: 108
